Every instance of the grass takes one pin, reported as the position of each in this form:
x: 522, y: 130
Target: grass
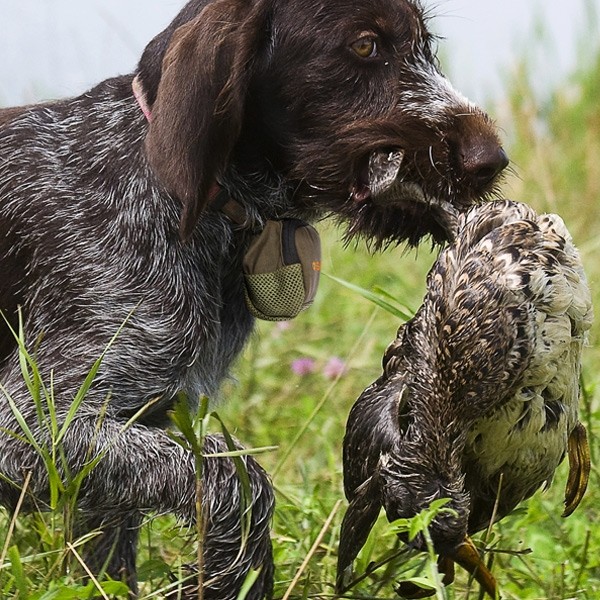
x: 555, y: 148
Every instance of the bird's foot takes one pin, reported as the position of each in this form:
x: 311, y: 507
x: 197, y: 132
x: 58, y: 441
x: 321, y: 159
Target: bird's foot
x: 579, y: 469
x: 467, y: 556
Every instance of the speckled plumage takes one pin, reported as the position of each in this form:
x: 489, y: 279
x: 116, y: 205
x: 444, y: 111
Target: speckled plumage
x: 478, y: 399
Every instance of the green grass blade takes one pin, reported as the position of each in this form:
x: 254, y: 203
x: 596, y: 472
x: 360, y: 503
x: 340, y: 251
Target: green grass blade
x: 249, y: 581
x: 243, y: 452
x: 16, y: 570
x: 21, y: 421
x: 378, y: 299
x: 183, y: 420
x: 246, y: 499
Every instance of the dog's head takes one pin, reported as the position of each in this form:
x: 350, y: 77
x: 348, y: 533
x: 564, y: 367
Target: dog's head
x: 342, y: 99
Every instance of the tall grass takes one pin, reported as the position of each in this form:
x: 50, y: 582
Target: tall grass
x: 555, y: 149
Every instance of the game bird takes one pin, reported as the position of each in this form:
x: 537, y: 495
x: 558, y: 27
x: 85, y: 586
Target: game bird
x: 478, y: 400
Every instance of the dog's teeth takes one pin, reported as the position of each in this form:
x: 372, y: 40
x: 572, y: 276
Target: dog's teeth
x: 383, y: 170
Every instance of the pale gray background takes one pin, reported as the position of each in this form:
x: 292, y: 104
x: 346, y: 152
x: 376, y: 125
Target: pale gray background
x: 54, y: 48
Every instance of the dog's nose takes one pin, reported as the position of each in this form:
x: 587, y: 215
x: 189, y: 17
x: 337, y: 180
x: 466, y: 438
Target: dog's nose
x: 483, y: 161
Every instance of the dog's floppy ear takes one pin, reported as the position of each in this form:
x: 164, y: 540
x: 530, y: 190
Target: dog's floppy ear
x: 198, y: 111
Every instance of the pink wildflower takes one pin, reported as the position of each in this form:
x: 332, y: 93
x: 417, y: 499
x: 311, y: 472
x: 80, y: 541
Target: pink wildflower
x: 334, y: 368
x: 303, y: 366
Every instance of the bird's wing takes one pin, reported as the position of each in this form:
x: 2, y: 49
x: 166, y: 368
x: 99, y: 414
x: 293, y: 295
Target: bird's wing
x: 372, y: 429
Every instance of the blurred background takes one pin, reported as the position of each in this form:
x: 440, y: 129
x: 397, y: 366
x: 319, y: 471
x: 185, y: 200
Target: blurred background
x: 55, y: 48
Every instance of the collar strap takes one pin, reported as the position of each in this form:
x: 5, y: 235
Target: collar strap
x: 218, y: 198
x: 140, y: 96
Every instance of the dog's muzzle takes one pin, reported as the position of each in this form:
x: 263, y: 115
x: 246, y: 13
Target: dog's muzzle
x: 388, y: 189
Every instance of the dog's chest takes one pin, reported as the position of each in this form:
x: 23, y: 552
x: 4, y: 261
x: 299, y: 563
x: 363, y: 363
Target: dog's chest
x: 219, y: 328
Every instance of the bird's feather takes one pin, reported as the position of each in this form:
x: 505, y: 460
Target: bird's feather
x: 478, y: 400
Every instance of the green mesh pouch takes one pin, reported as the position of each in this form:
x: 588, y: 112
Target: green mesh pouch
x: 281, y: 270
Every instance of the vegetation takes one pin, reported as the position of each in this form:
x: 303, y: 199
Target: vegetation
x: 296, y: 383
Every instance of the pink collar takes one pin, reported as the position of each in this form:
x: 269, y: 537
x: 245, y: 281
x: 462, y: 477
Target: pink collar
x: 140, y: 96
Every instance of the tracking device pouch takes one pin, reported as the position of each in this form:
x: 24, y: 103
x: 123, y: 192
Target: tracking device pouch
x: 281, y: 270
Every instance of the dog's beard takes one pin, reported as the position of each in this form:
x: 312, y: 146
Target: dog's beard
x: 384, y: 205
x: 392, y: 209
x: 408, y: 220
x: 388, y: 195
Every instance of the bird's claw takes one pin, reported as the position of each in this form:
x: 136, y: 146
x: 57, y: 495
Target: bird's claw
x: 579, y: 469
x: 467, y: 556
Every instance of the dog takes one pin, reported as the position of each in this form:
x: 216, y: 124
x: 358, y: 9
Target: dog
x: 109, y: 230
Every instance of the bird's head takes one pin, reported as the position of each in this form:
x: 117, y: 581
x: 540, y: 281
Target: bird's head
x: 408, y: 490
x: 406, y: 495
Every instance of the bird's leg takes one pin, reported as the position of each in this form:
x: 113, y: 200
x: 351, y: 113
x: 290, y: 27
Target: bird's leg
x: 446, y: 568
x: 579, y: 469
x: 467, y: 556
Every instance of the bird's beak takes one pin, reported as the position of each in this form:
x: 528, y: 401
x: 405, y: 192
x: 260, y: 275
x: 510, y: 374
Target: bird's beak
x: 467, y: 556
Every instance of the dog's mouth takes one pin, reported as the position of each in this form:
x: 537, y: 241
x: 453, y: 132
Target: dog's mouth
x: 380, y: 186
x: 377, y: 174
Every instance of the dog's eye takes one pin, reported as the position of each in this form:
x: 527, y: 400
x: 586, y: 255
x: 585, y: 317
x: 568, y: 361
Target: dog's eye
x: 365, y: 46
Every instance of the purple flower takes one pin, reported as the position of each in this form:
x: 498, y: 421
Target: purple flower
x: 303, y: 366
x: 335, y: 367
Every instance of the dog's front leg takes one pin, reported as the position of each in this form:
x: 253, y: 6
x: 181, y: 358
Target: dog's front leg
x: 141, y: 469
x: 113, y: 548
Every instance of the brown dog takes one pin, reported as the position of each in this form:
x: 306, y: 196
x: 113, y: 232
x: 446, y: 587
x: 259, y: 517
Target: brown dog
x: 302, y: 108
